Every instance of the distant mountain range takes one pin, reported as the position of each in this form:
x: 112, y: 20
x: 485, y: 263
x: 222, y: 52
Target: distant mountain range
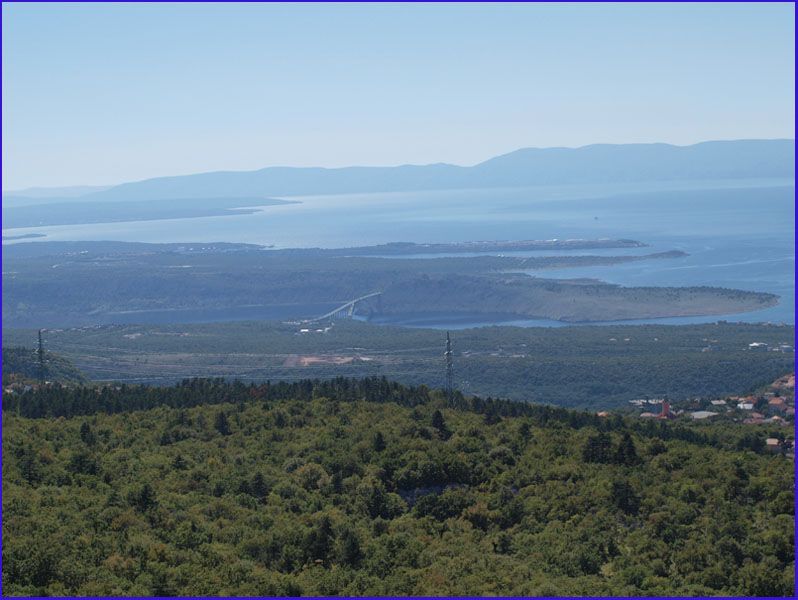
x: 599, y: 163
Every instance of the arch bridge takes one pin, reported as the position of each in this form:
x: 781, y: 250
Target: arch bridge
x: 346, y: 310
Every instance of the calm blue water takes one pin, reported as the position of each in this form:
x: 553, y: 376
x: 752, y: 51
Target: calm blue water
x: 738, y: 234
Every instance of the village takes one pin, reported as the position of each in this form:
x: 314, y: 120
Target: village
x: 772, y: 405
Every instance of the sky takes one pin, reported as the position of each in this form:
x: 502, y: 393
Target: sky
x: 97, y: 94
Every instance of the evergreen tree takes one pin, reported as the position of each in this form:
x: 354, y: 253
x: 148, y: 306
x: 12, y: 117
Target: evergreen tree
x: 349, y: 552
x: 439, y: 423
x: 143, y: 499
x: 87, y: 435
x: 221, y: 424
x: 378, y: 442
x: 258, y: 487
x: 626, y: 454
x: 29, y: 465
x: 319, y: 540
x: 624, y: 496
x: 598, y: 449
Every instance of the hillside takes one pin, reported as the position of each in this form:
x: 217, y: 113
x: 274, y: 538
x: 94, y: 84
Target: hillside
x: 370, y: 488
x: 24, y: 362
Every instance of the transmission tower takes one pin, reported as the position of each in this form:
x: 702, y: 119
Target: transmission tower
x: 449, y: 367
x: 40, y: 353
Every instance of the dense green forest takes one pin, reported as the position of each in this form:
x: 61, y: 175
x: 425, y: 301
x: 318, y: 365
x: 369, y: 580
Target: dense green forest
x: 579, y: 366
x: 369, y: 487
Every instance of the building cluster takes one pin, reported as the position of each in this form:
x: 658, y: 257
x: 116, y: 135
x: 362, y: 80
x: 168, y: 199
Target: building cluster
x: 306, y: 330
x: 780, y: 446
x: 644, y: 401
x: 17, y: 388
x: 774, y: 405
x: 664, y: 413
x: 763, y: 347
x: 20, y: 387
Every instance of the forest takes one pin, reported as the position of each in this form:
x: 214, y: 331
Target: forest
x: 369, y: 487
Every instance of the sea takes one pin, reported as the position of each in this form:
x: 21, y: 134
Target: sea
x: 737, y: 233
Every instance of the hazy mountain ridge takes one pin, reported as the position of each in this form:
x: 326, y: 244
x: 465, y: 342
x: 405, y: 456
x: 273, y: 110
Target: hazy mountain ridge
x: 598, y: 163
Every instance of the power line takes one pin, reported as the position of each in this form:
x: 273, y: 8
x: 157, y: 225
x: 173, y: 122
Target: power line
x: 449, y: 367
x: 40, y: 352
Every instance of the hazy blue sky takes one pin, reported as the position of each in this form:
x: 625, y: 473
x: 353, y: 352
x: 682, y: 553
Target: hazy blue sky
x: 97, y: 94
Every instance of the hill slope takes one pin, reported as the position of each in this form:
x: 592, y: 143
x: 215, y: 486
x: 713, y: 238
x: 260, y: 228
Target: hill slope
x: 24, y: 362
x: 370, y: 488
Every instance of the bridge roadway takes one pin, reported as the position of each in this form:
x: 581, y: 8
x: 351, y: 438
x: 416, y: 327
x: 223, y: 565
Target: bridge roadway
x: 348, y: 308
